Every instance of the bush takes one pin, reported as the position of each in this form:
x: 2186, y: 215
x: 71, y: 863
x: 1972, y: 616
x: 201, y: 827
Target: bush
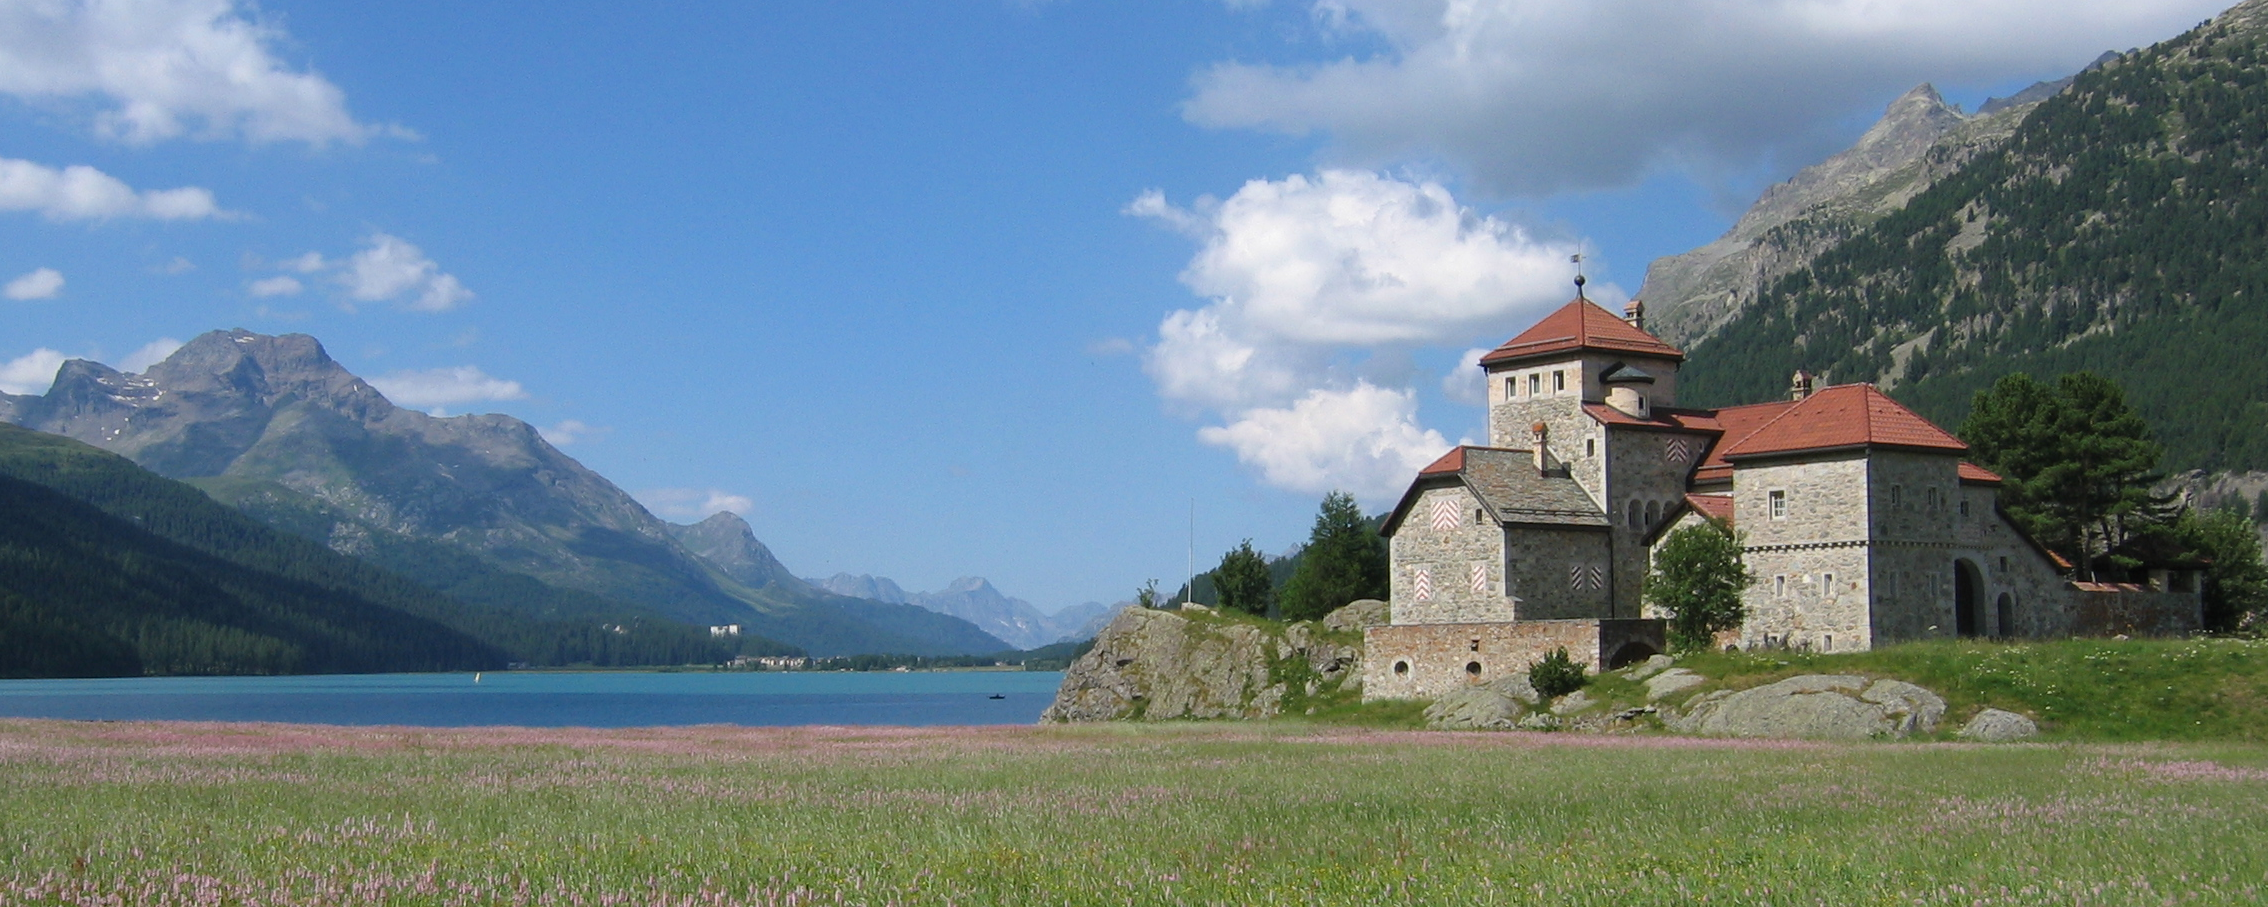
x: 1556, y: 675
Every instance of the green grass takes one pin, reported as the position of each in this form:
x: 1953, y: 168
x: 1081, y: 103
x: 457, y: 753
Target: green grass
x: 2081, y: 689
x: 169, y: 814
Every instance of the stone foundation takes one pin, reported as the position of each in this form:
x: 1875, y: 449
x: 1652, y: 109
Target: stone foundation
x: 1428, y: 661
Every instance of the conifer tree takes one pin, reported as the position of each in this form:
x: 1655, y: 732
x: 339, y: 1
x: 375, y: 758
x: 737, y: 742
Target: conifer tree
x: 1345, y: 560
x: 2079, y: 463
x: 1242, y: 581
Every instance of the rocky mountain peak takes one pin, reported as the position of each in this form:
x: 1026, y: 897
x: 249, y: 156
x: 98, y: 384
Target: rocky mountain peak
x: 727, y: 541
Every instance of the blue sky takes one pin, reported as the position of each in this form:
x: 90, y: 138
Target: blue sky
x: 933, y: 289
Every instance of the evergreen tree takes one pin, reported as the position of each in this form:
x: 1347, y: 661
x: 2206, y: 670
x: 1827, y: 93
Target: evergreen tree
x: 2236, y: 584
x: 1345, y: 560
x: 1697, y: 579
x: 2079, y: 463
x: 1242, y: 582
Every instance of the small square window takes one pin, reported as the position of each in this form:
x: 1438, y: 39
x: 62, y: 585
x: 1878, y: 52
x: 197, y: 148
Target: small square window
x: 1535, y: 384
x: 1964, y: 508
x: 1558, y: 381
x: 1511, y: 388
x: 1778, y: 501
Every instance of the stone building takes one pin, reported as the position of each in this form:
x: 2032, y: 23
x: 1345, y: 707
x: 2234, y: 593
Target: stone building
x: 1860, y: 518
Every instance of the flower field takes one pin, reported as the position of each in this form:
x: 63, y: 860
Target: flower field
x: 181, y: 814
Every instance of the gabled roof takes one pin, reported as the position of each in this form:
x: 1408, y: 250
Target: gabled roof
x: 1735, y: 423
x: 1713, y: 506
x: 1580, y: 325
x: 1508, y: 486
x: 1972, y: 474
x: 1840, y: 417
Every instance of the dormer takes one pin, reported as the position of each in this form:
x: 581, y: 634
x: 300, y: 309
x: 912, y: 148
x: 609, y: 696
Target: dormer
x: 1627, y: 389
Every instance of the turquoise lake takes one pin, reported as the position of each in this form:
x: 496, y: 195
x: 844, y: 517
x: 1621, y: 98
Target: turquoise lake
x: 550, y: 699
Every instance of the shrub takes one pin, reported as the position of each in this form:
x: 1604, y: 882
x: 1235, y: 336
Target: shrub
x: 1556, y: 675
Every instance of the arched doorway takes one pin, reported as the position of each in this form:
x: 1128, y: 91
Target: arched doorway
x: 1630, y: 653
x: 1968, y: 615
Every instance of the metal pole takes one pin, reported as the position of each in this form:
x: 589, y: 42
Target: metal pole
x: 1189, y: 592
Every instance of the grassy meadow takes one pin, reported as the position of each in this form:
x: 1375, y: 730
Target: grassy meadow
x: 1276, y: 813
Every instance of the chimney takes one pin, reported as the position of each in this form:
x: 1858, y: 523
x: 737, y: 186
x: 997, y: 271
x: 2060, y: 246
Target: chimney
x: 1800, y: 387
x: 1537, y: 435
x: 1635, y: 314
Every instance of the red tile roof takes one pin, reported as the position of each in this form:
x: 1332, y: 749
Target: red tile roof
x: 1660, y: 417
x: 1713, y: 506
x: 1848, y: 415
x: 1978, y: 475
x: 1737, y: 423
x: 1453, y: 461
x: 1581, y: 325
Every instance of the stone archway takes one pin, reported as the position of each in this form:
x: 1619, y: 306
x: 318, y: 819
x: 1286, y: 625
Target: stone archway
x: 1968, y: 589
x: 1630, y: 653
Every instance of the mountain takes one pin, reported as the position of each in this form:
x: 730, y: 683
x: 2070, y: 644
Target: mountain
x: 244, y: 411
x: 1919, y: 140
x: 974, y: 599
x: 2117, y: 229
x: 726, y: 542
x: 150, y: 576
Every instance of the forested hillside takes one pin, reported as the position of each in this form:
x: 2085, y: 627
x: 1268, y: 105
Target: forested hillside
x: 512, y: 617
x: 2122, y: 229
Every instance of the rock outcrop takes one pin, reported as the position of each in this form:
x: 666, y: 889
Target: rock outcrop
x: 1998, y: 726
x: 1833, y: 706
x: 1164, y: 665
x: 1494, y: 706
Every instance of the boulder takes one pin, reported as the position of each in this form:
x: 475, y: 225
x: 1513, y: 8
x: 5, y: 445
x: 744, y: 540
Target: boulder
x: 1162, y: 665
x: 1496, y: 705
x: 1357, y: 615
x: 1573, y: 703
x: 1670, y: 682
x: 1814, y: 705
x: 1651, y: 666
x: 1997, y: 726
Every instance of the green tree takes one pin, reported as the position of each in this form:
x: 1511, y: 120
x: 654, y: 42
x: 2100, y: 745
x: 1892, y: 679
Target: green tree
x: 1345, y: 560
x: 1242, y: 581
x: 2079, y: 463
x: 1697, y: 580
x: 2236, y: 583
x: 1147, y: 595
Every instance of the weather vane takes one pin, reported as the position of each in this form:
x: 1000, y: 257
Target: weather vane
x: 1577, y: 259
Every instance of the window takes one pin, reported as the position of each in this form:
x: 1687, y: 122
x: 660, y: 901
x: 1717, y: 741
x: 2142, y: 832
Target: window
x: 1653, y: 512
x: 1889, y: 584
x: 1827, y: 583
x: 1401, y: 667
x: 1897, y: 496
x: 1780, y: 586
x: 1558, y: 381
x: 1932, y: 497
x: 1511, y: 388
x: 1830, y: 643
x: 1535, y: 384
x: 1634, y: 514
x: 2004, y: 563
x: 1964, y: 506
x: 1590, y: 447
x: 1778, y: 502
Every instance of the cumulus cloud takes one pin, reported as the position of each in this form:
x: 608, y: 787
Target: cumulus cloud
x: 160, y: 69
x: 439, y: 388
x: 1538, y: 96
x: 1364, y: 440
x: 80, y: 192
x: 1467, y: 383
x: 30, y: 373
x: 1307, y: 276
x: 689, y: 504
x: 570, y: 431
x: 389, y: 269
x: 279, y: 285
x: 150, y: 354
x: 43, y: 283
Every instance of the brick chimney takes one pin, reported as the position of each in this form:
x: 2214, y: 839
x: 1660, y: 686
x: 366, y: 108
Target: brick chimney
x: 1537, y: 435
x: 1635, y: 314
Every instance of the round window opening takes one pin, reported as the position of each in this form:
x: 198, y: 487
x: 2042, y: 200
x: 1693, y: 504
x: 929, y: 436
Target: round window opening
x: 1401, y: 667
x: 1473, y: 668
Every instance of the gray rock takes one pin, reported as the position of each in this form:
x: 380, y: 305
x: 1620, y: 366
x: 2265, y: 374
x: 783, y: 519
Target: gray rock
x: 1815, y: 705
x: 1648, y: 668
x: 1163, y: 665
x: 1540, y: 721
x: 1997, y: 726
x: 1573, y: 703
x: 1357, y: 615
x: 1480, y: 708
x: 1670, y: 682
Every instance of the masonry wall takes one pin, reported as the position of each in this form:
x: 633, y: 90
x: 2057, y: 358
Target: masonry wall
x: 1812, y: 562
x: 1428, y: 661
x: 1558, y: 573
x: 1646, y: 475
x: 1439, y: 551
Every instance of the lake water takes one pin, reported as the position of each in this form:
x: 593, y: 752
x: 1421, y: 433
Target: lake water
x: 551, y: 699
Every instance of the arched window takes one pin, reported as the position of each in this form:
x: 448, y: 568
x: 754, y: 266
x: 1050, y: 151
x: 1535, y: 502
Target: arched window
x: 1635, y: 514
x: 1653, y: 512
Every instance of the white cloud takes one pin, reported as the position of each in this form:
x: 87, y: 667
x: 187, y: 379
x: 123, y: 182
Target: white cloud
x: 570, y: 431
x: 388, y: 268
x: 80, y: 192
x: 150, y: 354
x: 689, y: 504
x: 159, y: 69
x: 1316, y: 288
x: 1538, y: 96
x: 179, y: 265
x: 436, y: 388
x: 309, y: 263
x: 1364, y: 440
x: 279, y: 285
x: 1467, y: 383
x: 40, y: 284
x: 30, y: 373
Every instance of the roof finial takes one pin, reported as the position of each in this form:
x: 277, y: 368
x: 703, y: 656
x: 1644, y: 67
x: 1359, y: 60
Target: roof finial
x: 1577, y: 259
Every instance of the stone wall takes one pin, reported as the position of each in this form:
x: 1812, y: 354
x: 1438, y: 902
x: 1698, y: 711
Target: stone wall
x: 1437, y: 552
x: 1558, y: 573
x: 1406, y: 661
x: 1813, y: 587
x: 2098, y: 609
x: 1646, y: 481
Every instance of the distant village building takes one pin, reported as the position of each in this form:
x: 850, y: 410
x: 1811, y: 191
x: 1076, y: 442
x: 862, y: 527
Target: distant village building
x: 771, y: 662
x: 1860, y: 517
x: 725, y: 630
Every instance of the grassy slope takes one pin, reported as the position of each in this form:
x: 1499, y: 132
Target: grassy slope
x: 1123, y: 814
